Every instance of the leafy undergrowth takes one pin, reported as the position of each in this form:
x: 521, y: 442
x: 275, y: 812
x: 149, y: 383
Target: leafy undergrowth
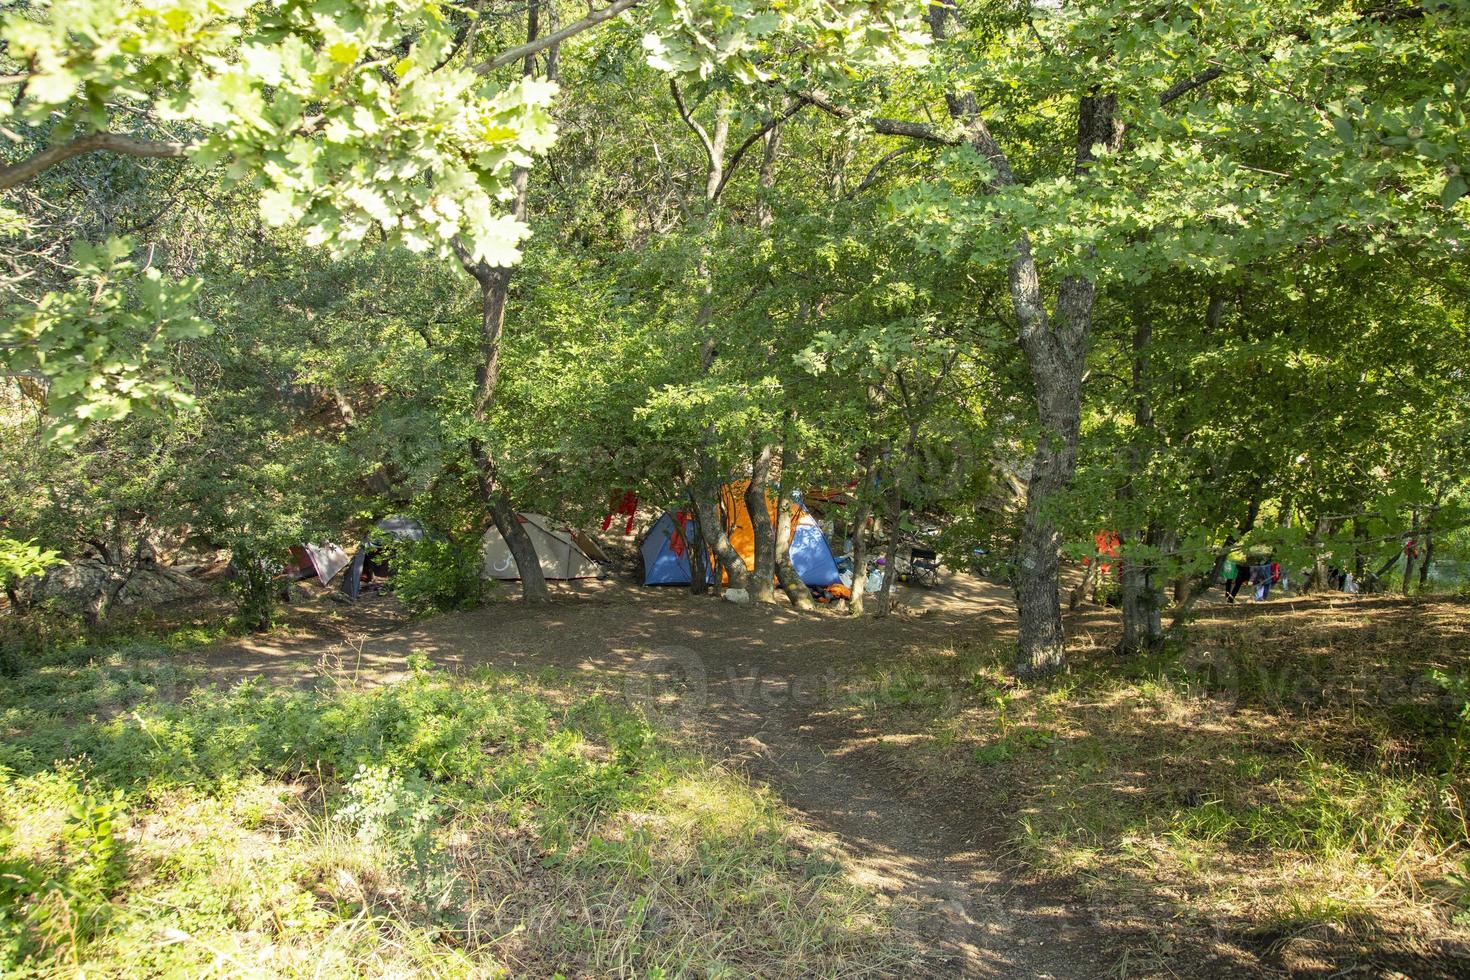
x: 1285, y: 791
x: 443, y: 826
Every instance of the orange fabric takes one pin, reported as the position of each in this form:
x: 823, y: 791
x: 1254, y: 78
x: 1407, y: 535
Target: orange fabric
x: 738, y: 527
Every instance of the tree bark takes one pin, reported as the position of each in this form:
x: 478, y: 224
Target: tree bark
x: 1411, y: 550
x: 860, y: 533
x: 791, y: 582
x: 1320, y: 532
x: 1427, y: 548
x: 1056, y: 353
x: 891, y: 520
x: 1141, y: 598
x: 1089, y: 580
x: 707, y: 510
x: 698, y: 553
x: 763, y: 577
x: 494, y: 284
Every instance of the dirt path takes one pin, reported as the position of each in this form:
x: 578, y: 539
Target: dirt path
x: 750, y: 683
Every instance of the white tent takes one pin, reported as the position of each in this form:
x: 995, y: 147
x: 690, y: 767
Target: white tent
x: 564, y: 553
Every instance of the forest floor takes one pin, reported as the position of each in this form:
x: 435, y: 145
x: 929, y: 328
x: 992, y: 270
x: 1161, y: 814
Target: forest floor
x: 1154, y: 823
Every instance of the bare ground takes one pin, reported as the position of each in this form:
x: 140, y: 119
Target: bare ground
x: 750, y: 685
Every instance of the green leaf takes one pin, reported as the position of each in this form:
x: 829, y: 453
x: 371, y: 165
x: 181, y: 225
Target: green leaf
x: 1454, y: 189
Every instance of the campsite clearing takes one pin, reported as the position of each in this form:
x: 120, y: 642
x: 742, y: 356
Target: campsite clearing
x: 886, y: 734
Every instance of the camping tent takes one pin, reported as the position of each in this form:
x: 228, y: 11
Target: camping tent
x: 809, y: 552
x: 564, y: 553
x: 395, y: 528
x: 322, y: 560
x: 666, y: 555
x: 666, y: 550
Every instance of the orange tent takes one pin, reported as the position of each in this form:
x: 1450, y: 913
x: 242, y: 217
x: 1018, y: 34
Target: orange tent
x: 809, y: 551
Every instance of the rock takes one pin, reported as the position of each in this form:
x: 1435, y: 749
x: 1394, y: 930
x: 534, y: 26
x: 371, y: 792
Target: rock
x: 154, y: 585
x: 738, y: 596
x: 85, y: 585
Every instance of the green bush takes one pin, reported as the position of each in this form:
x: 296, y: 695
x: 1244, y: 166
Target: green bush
x: 437, y: 575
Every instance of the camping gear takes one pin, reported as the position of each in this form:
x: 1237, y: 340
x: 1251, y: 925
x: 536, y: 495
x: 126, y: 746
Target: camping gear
x: 322, y: 560
x: 924, y: 566
x: 666, y: 546
x: 364, y: 566
x: 564, y: 553
x: 666, y: 550
x: 810, y: 555
x: 401, y: 528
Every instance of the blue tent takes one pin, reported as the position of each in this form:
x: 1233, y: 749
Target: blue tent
x: 810, y: 555
x: 666, y: 552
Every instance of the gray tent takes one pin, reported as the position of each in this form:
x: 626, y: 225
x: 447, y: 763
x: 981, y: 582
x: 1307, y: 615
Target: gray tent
x: 322, y: 560
x: 564, y: 553
x: 397, y: 528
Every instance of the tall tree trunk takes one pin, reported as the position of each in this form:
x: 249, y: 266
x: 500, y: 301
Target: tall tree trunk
x: 891, y: 519
x: 791, y: 582
x: 1141, y: 597
x: 763, y: 577
x: 1056, y: 353
x: 1411, y: 549
x: 1426, y: 549
x: 860, y: 533
x: 1089, y: 581
x: 494, y: 282
x: 699, y: 570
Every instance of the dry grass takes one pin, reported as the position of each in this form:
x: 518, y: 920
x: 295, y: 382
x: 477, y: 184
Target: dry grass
x: 1287, y: 788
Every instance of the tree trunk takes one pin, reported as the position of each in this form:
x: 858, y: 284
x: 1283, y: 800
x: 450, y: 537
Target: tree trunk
x: 860, y: 534
x: 494, y: 284
x: 1089, y: 580
x: 891, y: 521
x: 1320, y: 534
x: 698, y: 553
x: 1426, y: 550
x: 1143, y: 629
x: 791, y: 582
x: 1141, y: 598
x: 712, y: 528
x: 763, y: 578
x: 528, y: 563
x: 1056, y: 354
x: 1411, y: 549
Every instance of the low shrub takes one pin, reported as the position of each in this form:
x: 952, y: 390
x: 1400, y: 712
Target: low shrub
x: 437, y: 575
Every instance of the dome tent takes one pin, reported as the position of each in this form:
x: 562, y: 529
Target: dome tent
x: 564, y: 553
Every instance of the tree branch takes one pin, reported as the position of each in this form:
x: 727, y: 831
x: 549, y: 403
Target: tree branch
x: 1187, y: 85
x: 693, y: 124
x: 884, y: 127
x: 556, y: 37
x: 752, y: 139
x: 23, y: 170
x: 876, y: 170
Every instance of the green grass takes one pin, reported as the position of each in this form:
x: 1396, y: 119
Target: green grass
x: 444, y: 826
